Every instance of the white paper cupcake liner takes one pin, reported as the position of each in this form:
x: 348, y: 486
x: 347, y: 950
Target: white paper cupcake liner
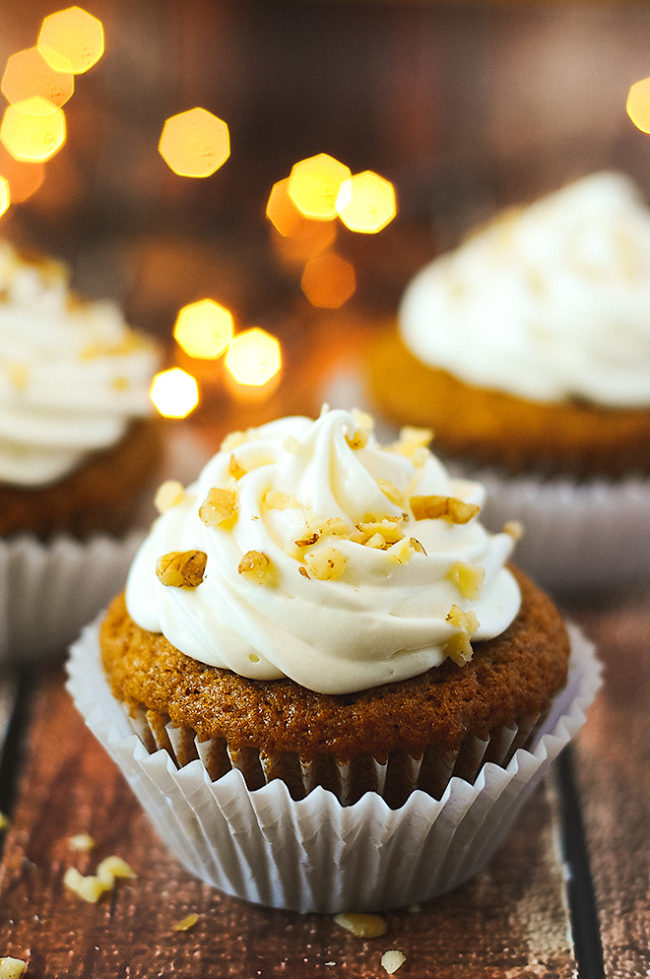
x: 316, y: 854
x: 49, y: 590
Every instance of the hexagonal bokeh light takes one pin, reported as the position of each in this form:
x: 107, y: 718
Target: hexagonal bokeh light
x: 33, y: 130
x: 194, y: 143
x: 5, y: 195
x: 638, y: 104
x: 27, y: 73
x: 298, y: 238
x: 328, y: 281
x: 366, y: 202
x: 254, y: 357
x: 24, y: 179
x: 204, y: 329
x: 314, y: 184
x: 174, y: 392
x: 71, y: 40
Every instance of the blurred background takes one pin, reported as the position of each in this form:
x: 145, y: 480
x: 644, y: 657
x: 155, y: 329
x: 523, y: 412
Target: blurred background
x: 456, y: 109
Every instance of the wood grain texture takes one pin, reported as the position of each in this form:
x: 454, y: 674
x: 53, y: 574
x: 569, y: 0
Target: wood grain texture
x: 511, y: 921
x: 613, y: 774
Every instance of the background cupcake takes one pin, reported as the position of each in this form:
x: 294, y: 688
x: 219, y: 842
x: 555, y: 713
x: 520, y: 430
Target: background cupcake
x: 78, y: 446
x: 320, y: 618
x: 528, y: 351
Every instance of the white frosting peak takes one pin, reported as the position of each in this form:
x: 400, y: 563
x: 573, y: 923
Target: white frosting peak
x: 364, y: 599
x: 72, y: 374
x: 547, y: 302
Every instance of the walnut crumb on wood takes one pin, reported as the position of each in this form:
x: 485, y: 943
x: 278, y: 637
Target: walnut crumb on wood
x: 362, y: 925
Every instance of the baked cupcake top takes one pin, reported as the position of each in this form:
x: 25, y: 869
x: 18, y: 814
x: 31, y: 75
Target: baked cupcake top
x: 72, y: 374
x: 549, y: 302
x: 306, y: 550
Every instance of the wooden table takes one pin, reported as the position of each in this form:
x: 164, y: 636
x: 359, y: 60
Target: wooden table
x: 566, y: 895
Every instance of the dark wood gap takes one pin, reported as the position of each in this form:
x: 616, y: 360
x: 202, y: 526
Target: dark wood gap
x: 580, y: 889
x: 14, y: 722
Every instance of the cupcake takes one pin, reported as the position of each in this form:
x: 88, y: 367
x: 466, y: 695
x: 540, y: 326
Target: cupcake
x: 527, y: 350
x: 78, y: 445
x: 320, y: 632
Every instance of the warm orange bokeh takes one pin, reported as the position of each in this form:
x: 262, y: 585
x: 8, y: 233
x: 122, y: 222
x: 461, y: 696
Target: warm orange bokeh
x: 194, y: 143
x: 71, y: 40
x: 298, y: 238
x: 328, y: 281
x: 366, y: 202
x: 638, y: 104
x: 24, y: 178
x: 314, y: 184
x: 5, y: 195
x: 254, y: 357
x: 174, y: 392
x: 33, y: 130
x: 204, y: 329
x: 28, y: 73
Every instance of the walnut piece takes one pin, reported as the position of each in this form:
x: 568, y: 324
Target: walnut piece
x: 447, y: 507
x: 458, y: 648
x: 392, y: 960
x: 392, y: 492
x: 169, y: 494
x: 468, y: 578
x: 91, y: 887
x: 219, y: 508
x: 326, y: 563
x: 11, y: 968
x: 256, y: 567
x: 514, y: 528
x: 411, y: 441
x: 277, y: 500
x: 186, y: 923
x: 362, y: 925
x: 235, y: 468
x: 182, y: 569
x: 358, y: 439
x: 82, y: 842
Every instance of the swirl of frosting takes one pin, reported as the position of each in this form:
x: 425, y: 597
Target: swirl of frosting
x: 72, y: 374
x: 547, y: 303
x: 323, y: 557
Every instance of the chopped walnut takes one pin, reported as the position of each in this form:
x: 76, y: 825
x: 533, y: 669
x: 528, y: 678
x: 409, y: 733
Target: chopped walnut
x: 81, y: 841
x: 219, y: 508
x: 11, y: 968
x: 459, y: 648
x: 277, y: 500
x: 447, y: 507
x: 182, y: 569
x: 392, y: 492
x: 91, y: 887
x: 468, y: 578
x: 186, y: 923
x: 169, y: 494
x: 315, y: 529
x: 466, y: 621
x: 514, y: 528
x: 388, y: 530
x: 392, y: 960
x: 362, y: 925
x: 235, y: 468
x: 256, y: 567
x: 326, y: 564
x: 113, y: 867
x: 417, y: 545
x: 358, y: 439
x: 401, y: 552
x: 412, y: 440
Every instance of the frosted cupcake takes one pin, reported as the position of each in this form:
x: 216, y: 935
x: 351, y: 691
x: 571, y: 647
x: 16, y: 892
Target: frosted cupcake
x: 322, y: 626
x: 78, y: 443
x: 528, y: 351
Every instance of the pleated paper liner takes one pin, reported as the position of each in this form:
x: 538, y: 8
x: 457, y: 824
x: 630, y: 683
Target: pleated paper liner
x: 317, y: 853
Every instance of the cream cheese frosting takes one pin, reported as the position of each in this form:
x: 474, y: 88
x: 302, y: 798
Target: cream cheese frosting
x: 548, y: 302
x: 323, y: 557
x: 72, y: 374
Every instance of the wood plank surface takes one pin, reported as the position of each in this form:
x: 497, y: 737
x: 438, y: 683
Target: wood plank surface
x: 511, y: 921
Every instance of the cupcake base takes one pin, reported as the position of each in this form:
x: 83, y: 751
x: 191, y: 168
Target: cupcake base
x: 315, y: 854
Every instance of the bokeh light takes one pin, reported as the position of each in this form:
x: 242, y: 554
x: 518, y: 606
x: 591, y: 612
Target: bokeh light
x: 174, y: 392
x: 328, y: 281
x: 366, y: 202
x: 33, y: 130
x: 5, y: 195
x: 295, y: 237
x: 24, y: 178
x: 194, y: 143
x: 254, y: 357
x: 27, y: 74
x: 638, y: 104
x: 314, y: 185
x: 204, y: 329
x: 71, y: 40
